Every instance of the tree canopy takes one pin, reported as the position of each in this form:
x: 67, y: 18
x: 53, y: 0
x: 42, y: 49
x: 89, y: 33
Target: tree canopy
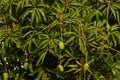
x: 59, y: 39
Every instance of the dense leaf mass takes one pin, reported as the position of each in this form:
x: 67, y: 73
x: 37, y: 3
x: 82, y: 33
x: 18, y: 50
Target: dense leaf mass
x: 32, y: 30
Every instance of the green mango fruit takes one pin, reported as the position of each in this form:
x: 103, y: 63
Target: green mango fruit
x: 86, y: 66
x: 5, y: 76
x: 60, y: 67
x: 108, y: 27
x: 25, y: 65
x: 61, y: 45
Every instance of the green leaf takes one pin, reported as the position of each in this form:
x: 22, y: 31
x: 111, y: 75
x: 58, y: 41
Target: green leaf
x: 6, y: 42
x: 33, y: 16
x: 16, y: 42
x: 42, y: 13
x: 75, y: 4
x: 31, y: 67
x: 71, y: 69
x: 81, y: 46
x: 45, y: 77
x: 43, y: 43
x: 53, y: 24
x: 26, y: 13
x: 22, y: 74
x: 78, y: 70
x: 29, y: 32
x: 58, y: 73
x: 39, y: 75
x: 90, y: 15
x: 43, y: 6
x: 84, y: 2
x: 35, y: 42
x: 69, y: 40
x: 41, y: 58
x: 12, y: 18
x: 116, y: 5
x: 68, y: 33
x: 113, y: 12
x: 29, y: 44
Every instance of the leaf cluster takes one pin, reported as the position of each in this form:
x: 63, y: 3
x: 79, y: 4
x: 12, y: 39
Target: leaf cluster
x: 31, y: 32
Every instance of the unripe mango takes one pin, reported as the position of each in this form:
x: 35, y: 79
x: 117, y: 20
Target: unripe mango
x: 86, y: 66
x: 60, y: 67
x: 25, y: 65
x: 61, y: 45
x: 108, y: 27
x: 5, y: 76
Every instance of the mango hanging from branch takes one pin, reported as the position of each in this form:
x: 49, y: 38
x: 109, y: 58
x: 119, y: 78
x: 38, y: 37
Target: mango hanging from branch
x: 86, y: 66
x: 61, y: 45
x: 60, y: 67
x: 108, y: 27
x: 25, y: 65
x: 5, y: 76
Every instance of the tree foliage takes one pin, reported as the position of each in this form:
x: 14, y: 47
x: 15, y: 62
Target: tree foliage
x: 31, y: 32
